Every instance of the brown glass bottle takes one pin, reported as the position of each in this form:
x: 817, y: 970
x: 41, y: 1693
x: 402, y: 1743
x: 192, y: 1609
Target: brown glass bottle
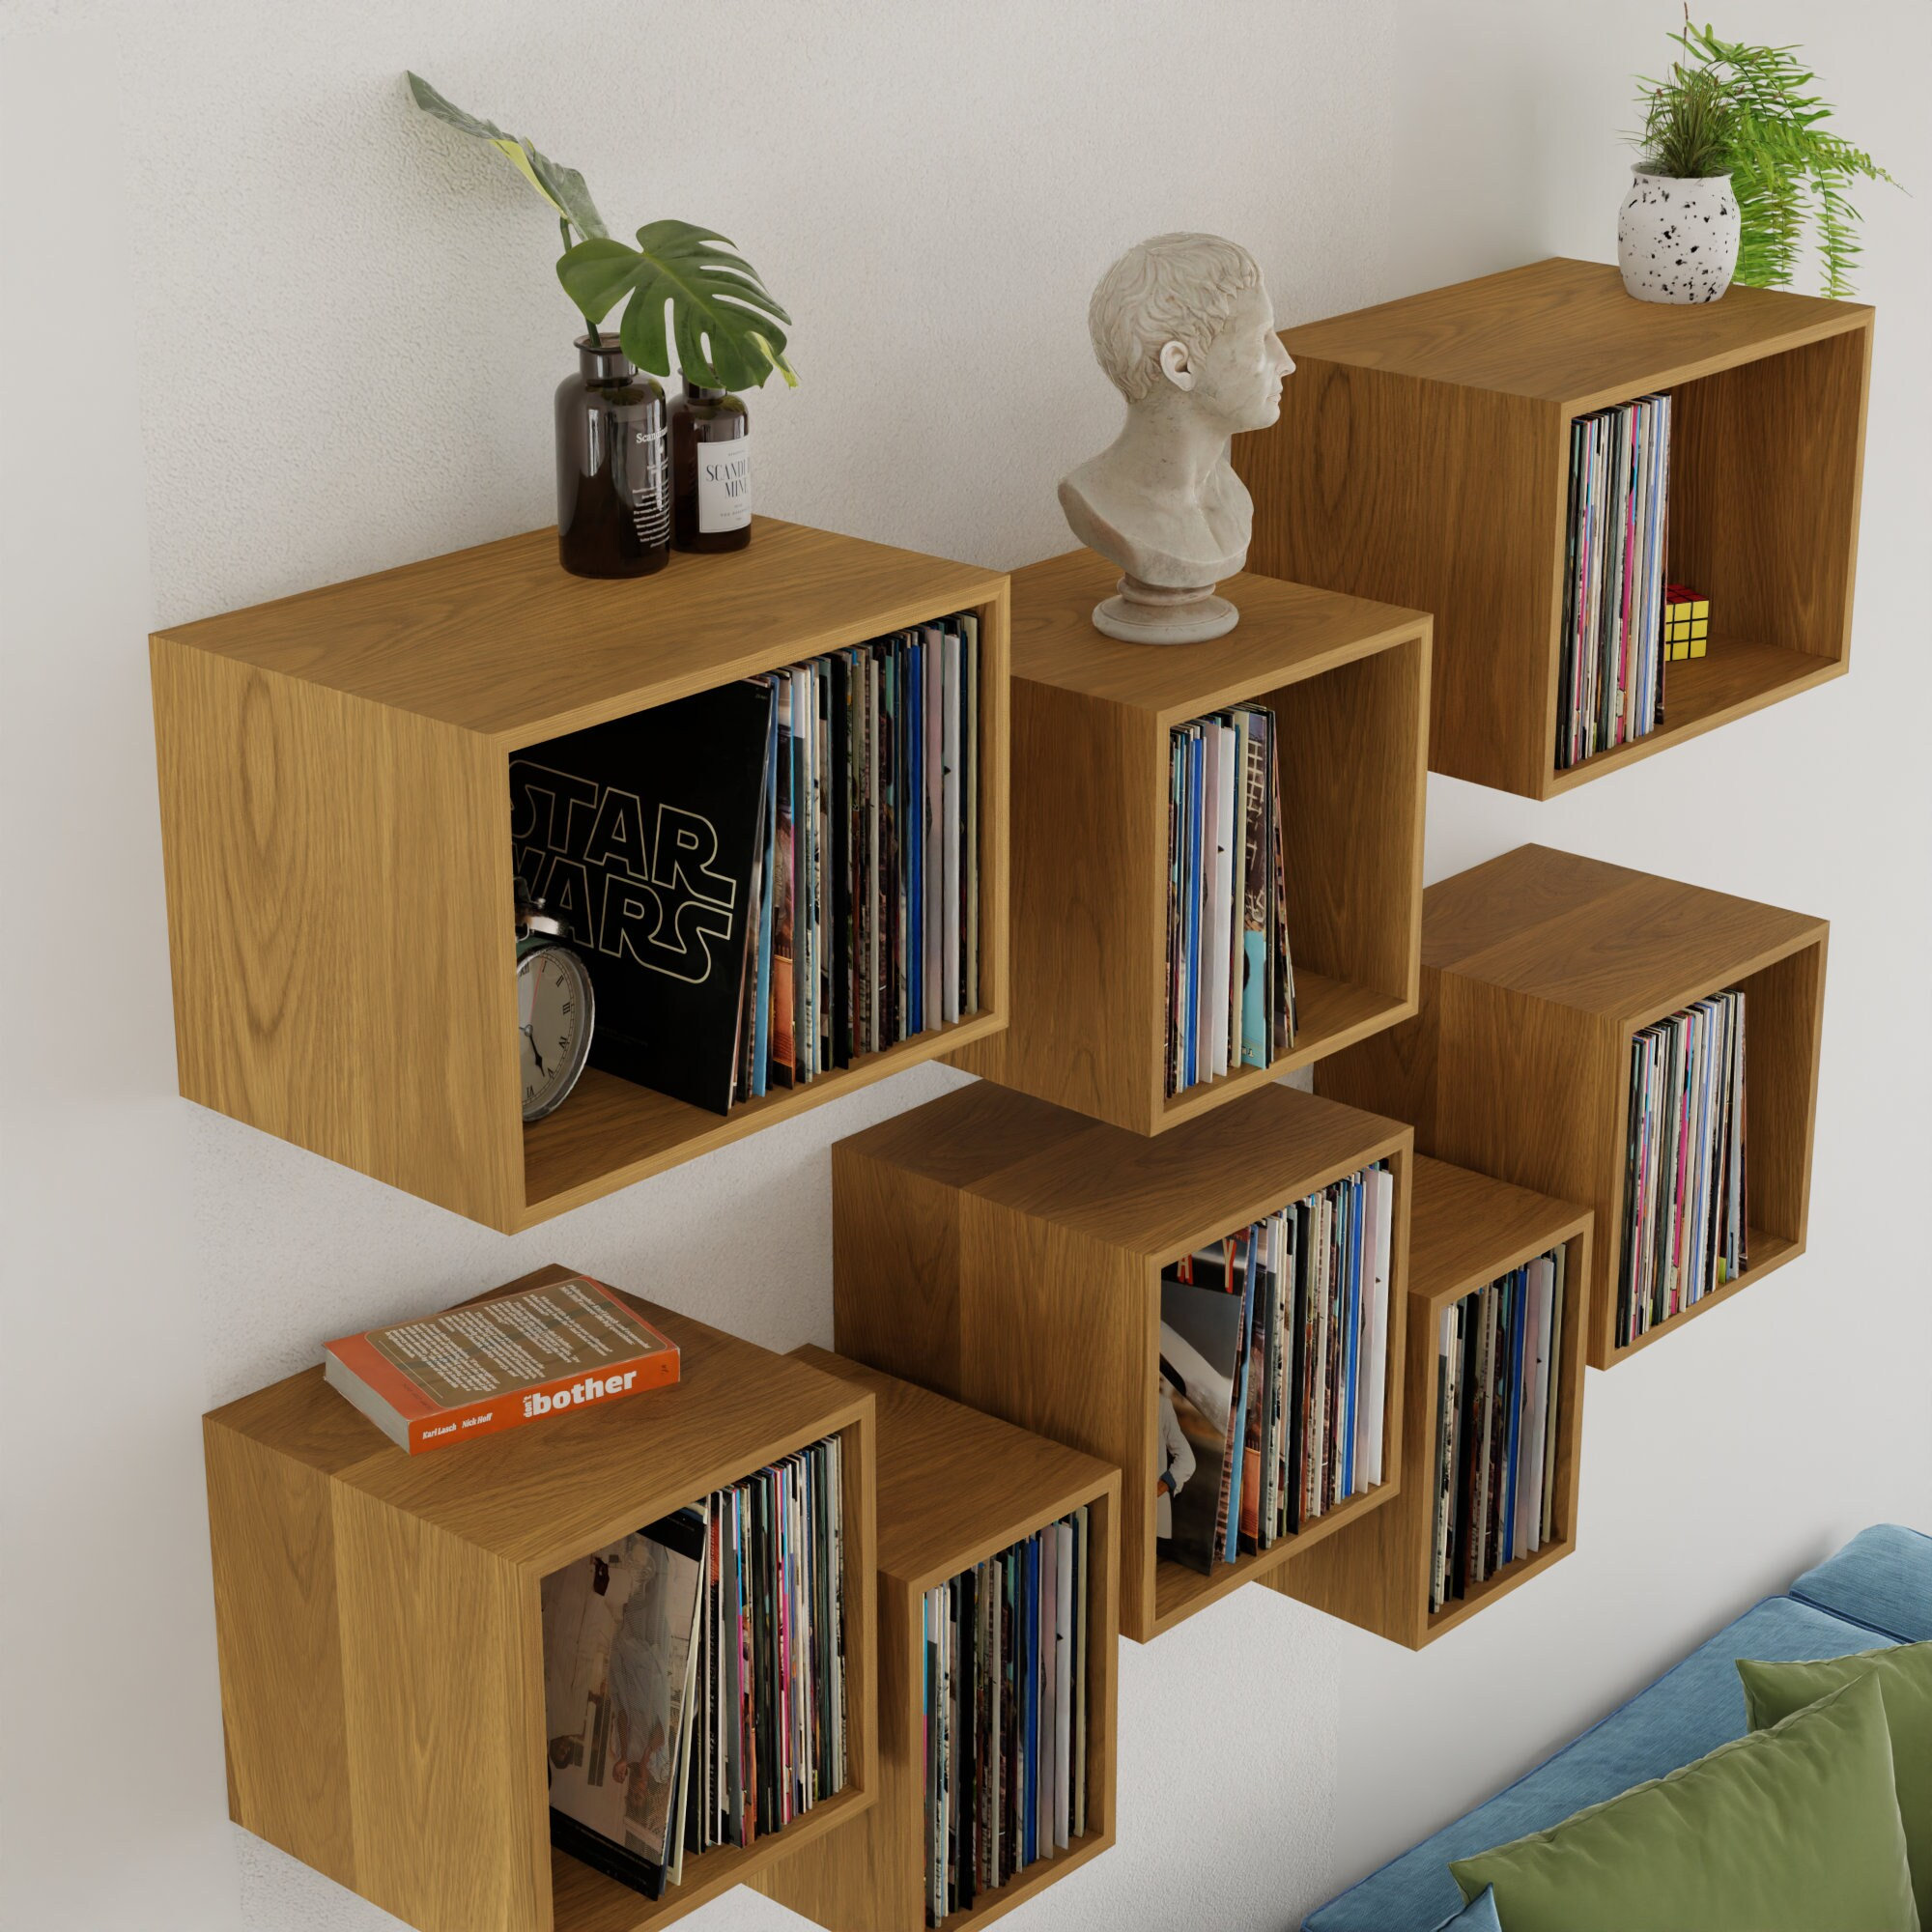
x: 612, y: 467
x: 710, y: 469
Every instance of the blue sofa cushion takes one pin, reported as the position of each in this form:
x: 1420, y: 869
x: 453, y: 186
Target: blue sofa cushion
x: 1478, y: 1915
x: 1881, y: 1578
x: 1692, y: 1708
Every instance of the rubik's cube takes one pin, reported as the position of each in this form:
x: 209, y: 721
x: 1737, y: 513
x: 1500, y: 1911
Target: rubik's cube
x: 1687, y: 623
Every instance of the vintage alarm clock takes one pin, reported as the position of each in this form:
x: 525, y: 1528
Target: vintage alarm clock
x: 556, y: 1009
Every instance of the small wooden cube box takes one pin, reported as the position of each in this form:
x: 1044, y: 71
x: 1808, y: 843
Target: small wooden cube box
x: 1009, y: 1254
x: 380, y: 1626
x: 1349, y: 685
x: 335, y: 822
x: 1464, y: 1231
x: 1539, y: 968
x: 955, y: 1486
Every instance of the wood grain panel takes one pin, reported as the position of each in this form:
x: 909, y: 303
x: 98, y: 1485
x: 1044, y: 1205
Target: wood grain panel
x: 499, y: 641
x: 272, y: 1540
x: 1564, y: 332
x: 341, y: 980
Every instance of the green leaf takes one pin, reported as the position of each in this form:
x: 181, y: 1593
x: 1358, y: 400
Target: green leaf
x: 562, y: 186
x: 722, y: 318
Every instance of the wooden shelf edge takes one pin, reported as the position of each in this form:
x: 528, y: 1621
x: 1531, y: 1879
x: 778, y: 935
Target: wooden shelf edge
x: 1026, y: 1885
x: 1777, y: 1251
x: 1808, y: 672
x: 1256, y: 1566
x: 749, y: 1117
x: 584, y: 1900
x: 1511, y: 1577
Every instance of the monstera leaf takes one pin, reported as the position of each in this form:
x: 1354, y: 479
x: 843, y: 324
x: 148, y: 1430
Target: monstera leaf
x: 725, y: 320
x: 563, y: 187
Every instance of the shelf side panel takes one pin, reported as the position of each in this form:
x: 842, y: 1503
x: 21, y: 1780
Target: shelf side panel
x: 1766, y: 461
x: 1088, y: 892
x: 1784, y: 1024
x: 272, y: 1539
x: 340, y: 921
x: 442, y: 1648
x: 1443, y: 499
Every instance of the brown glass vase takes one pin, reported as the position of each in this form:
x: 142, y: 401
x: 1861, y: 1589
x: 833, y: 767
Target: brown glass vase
x: 612, y: 467
x: 710, y: 469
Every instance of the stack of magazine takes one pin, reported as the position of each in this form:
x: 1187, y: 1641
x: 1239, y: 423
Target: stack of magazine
x: 1006, y: 1714
x: 1686, y: 1206
x: 1274, y: 1373
x: 773, y: 877
x: 1231, y: 986
x: 694, y: 1674
x: 1611, y: 656
x: 1498, y: 1392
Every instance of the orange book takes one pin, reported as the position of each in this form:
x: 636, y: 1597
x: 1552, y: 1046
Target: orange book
x: 500, y: 1363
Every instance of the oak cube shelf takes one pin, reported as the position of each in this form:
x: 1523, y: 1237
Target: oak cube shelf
x: 335, y: 820
x: 954, y: 1487
x: 1008, y: 1254
x: 1423, y: 456
x: 379, y: 1625
x: 1538, y: 969
x: 1349, y: 683
x: 1464, y: 1231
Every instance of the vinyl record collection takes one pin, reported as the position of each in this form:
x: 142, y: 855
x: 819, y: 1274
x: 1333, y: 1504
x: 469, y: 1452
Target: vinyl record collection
x: 694, y: 1674
x: 1498, y: 1390
x: 1274, y: 1373
x: 1686, y: 1205
x: 1006, y: 1714
x: 1610, y: 664
x: 772, y: 878
x: 1231, y: 984
x: 866, y: 894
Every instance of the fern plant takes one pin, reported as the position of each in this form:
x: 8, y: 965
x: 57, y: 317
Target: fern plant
x: 1727, y: 107
x: 721, y: 315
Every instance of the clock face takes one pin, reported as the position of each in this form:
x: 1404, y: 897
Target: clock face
x: 553, y: 1018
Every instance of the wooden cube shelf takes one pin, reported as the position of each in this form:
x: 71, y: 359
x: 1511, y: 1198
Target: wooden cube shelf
x: 1423, y: 456
x: 1008, y: 1253
x: 1464, y: 1231
x: 954, y: 1487
x: 1538, y: 969
x: 1349, y: 683
x: 335, y: 819
x: 381, y: 1631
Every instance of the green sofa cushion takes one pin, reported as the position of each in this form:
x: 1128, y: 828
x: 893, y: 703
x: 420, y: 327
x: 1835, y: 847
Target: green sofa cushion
x: 1773, y: 1692
x: 1787, y: 1830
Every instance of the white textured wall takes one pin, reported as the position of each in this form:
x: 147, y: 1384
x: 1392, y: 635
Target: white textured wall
x: 263, y: 326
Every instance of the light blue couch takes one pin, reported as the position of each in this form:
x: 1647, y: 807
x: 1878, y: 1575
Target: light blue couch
x: 1875, y: 1591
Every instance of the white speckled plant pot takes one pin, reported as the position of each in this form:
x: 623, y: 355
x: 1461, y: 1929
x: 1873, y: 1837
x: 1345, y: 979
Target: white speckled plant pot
x: 1677, y: 239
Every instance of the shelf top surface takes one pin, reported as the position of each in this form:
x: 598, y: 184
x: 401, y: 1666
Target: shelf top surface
x: 503, y: 640
x: 1157, y: 1195
x: 1565, y: 332
x: 1465, y: 1228
x: 1600, y: 938
x: 544, y: 1494
x: 954, y: 1483
x: 1288, y: 632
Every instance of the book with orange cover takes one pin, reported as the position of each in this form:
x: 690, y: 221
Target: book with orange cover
x: 498, y: 1363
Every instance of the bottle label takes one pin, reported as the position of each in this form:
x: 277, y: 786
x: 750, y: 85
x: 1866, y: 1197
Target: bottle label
x: 724, y: 484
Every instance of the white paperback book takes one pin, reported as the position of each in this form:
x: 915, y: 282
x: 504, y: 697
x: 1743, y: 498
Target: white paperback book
x: 1383, y: 1187
x: 1531, y: 1526
x: 1063, y: 1700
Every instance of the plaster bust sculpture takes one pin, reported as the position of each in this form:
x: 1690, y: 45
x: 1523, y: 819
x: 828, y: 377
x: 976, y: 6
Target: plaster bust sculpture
x: 1185, y: 331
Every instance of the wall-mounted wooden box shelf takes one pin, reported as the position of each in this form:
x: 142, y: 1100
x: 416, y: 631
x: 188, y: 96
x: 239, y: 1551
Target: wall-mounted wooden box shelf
x: 1464, y: 1231
x: 1008, y: 1254
x: 1423, y: 456
x: 1538, y: 968
x: 1348, y: 682
x: 381, y: 1635
x: 335, y: 816
x: 954, y: 1487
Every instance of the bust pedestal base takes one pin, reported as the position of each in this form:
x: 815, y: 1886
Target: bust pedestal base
x: 1148, y: 613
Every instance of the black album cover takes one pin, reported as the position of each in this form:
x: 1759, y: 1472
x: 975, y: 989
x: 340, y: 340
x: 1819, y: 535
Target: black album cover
x: 643, y: 834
